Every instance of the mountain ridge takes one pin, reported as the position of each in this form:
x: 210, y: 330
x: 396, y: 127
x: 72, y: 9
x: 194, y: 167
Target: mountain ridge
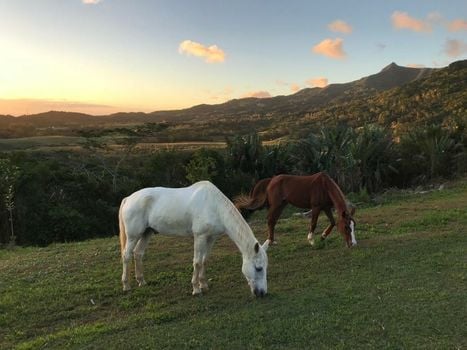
x: 303, y: 102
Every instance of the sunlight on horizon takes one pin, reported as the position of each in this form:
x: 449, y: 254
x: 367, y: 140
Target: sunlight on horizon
x: 101, y: 57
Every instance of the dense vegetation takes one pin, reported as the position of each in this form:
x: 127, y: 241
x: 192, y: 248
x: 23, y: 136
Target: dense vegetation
x: 66, y: 196
x: 402, y: 287
x: 371, y: 134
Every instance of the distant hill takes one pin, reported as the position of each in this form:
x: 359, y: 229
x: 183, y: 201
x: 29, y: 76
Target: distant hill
x: 369, y: 99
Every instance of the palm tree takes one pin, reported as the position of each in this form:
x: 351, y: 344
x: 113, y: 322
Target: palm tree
x: 430, y: 152
x: 329, y: 150
x: 374, y: 153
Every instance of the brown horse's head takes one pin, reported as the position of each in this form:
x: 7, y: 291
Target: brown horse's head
x: 346, y: 226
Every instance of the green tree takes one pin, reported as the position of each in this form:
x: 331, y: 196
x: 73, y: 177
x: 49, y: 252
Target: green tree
x: 201, y: 167
x: 374, y: 154
x: 429, y: 152
x: 329, y: 150
x: 245, y: 152
x: 9, y: 175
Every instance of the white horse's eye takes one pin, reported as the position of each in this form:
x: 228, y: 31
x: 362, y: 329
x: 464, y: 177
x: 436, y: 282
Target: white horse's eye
x: 258, y: 269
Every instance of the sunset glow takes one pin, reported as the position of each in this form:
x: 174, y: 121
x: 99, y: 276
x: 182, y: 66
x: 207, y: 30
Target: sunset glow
x: 104, y: 56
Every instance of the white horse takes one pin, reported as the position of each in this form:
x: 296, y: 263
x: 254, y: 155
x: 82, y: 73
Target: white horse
x: 200, y: 210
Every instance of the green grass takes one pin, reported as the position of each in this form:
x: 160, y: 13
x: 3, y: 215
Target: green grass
x: 403, y: 287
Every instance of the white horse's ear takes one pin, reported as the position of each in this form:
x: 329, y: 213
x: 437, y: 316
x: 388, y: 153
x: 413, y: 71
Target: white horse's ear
x: 256, y: 247
x: 266, y: 245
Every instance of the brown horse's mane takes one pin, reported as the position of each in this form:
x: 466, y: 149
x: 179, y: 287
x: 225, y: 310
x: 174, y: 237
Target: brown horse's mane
x: 336, y: 195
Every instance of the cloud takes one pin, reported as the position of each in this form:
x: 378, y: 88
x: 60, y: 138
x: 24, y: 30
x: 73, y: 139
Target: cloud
x: 211, y: 54
x: 380, y: 46
x: 330, y: 48
x: 415, y: 65
x: 402, y: 20
x: 317, y: 82
x: 457, y: 25
x: 340, y: 27
x: 91, y: 2
x: 294, y: 87
x: 454, y: 48
x: 258, y: 94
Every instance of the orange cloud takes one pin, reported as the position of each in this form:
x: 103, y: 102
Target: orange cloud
x: 211, y: 54
x: 258, y: 94
x: 317, y: 82
x: 402, y: 20
x: 294, y: 87
x: 457, y: 25
x: 415, y: 65
x: 454, y: 48
x: 330, y: 48
x: 340, y: 27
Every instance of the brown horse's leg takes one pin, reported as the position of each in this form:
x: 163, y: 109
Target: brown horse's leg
x: 273, y: 215
x: 332, y: 223
x: 314, y: 220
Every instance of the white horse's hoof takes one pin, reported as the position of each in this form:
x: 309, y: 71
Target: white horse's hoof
x: 197, y: 292
x: 126, y: 287
x: 142, y: 283
x: 312, y: 242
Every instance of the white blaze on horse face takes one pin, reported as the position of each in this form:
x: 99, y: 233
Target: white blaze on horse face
x: 255, y: 271
x: 352, y: 232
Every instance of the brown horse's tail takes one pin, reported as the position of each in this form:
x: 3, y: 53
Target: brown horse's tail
x: 121, y: 225
x: 256, y: 200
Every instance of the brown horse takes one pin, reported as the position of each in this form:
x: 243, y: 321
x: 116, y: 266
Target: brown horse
x: 317, y: 192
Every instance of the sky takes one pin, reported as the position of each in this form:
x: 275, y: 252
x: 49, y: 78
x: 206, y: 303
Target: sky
x: 106, y: 56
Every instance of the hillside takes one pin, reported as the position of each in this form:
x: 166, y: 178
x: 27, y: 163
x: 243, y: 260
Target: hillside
x: 365, y: 100
x: 439, y: 98
x: 398, y: 288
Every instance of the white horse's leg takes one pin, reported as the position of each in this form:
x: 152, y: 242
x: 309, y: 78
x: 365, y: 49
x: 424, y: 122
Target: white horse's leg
x: 200, y: 248
x: 138, y: 255
x: 203, y: 282
x: 126, y: 258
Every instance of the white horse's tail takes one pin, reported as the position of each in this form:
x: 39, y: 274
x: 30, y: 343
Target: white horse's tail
x: 121, y: 225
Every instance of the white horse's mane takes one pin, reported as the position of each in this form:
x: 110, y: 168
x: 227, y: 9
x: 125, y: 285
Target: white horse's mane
x: 238, y: 227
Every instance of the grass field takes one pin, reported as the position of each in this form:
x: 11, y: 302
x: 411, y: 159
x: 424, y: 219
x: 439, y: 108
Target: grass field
x: 40, y: 142
x: 60, y: 143
x: 403, y: 287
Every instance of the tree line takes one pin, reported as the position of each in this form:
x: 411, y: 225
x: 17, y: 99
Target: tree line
x: 68, y: 196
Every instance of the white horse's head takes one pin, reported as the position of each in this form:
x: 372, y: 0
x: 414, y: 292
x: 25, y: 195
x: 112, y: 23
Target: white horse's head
x: 255, y: 268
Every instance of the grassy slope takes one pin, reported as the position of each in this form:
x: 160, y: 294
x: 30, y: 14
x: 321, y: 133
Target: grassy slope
x: 403, y: 286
